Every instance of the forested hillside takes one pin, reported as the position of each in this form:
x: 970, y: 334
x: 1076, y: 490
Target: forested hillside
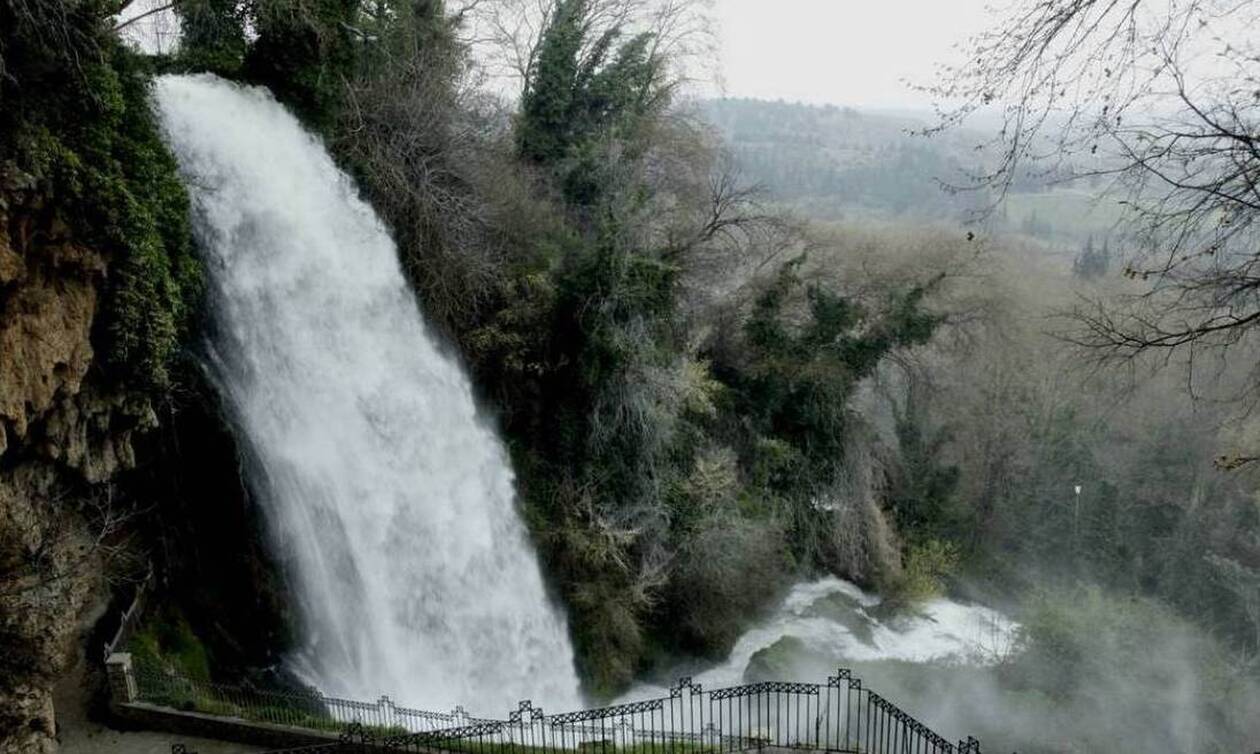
x: 838, y: 161
x: 841, y: 163
x: 728, y: 349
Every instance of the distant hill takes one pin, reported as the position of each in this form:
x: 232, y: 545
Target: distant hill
x: 837, y: 161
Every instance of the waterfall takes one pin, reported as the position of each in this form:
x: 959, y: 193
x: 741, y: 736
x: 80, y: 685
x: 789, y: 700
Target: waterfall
x: 390, y: 500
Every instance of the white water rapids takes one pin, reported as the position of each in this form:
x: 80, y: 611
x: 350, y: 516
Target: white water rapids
x: 827, y: 624
x: 391, y: 501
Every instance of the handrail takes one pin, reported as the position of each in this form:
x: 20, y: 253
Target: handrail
x: 839, y: 715
x: 124, y: 621
x: 294, y: 707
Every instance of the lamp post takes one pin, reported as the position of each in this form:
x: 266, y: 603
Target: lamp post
x: 1076, y: 517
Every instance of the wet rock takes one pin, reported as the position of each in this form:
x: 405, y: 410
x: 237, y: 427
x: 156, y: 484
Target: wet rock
x: 847, y: 611
x: 787, y: 659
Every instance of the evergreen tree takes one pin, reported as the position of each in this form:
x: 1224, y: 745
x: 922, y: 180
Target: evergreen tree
x: 213, y: 35
x: 1092, y: 263
x: 584, y: 90
x: 544, y: 130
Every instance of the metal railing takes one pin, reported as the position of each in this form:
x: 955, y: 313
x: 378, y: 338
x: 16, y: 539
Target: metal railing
x: 128, y: 616
x: 302, y: 709
x: 840, y: 715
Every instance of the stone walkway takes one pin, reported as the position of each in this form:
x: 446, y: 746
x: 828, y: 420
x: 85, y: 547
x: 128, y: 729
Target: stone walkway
x: 79, y: 735
x: 99, y: 740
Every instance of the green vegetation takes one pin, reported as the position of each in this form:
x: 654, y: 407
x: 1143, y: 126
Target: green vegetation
x: 682, y: 456
x: 669, y: 473
x: 74, y: 116
x: 1093, y: 262
x: 1069, y: 480
x: 165, y: 689
x: 166, y: 644
x: 927, y: 567
x: 304, y: 51
x: 838, y: 163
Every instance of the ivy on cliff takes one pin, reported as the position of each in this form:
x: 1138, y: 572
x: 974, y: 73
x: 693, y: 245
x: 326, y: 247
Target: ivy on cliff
x: 75, y: 115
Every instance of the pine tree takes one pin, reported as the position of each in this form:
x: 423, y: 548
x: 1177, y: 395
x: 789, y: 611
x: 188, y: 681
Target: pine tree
x: 543, y: 133
x: 1092, y: 263
x: 213, y: 35
x: 585, y: 88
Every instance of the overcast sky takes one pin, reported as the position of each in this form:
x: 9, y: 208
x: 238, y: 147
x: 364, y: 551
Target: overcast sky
x: 844, y: 52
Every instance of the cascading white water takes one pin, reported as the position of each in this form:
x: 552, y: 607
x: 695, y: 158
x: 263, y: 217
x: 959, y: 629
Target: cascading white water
x: 835, y: 621
x: 391, y: 500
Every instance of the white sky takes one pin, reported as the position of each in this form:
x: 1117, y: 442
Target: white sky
x: 844, y: 52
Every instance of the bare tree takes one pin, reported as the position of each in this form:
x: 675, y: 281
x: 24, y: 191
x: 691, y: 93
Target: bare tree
x: 414, y: 127
x: 1162, y: 100
x: 75, y: 536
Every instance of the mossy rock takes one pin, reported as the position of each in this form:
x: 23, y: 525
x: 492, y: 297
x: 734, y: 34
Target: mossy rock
x: 848, y: 612
x: 896, y: 613
x: 786, y: 659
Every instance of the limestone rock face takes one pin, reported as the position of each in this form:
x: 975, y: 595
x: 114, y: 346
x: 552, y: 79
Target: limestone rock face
x: 31, y: 715
x: 49, y: 569
x: 60, y: 436
x: 49, y: 289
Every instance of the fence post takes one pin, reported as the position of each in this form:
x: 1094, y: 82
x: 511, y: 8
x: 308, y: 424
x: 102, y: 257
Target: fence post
x: 122, y: 682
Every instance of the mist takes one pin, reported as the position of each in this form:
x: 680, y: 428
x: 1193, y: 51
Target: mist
x: 1086, y: 494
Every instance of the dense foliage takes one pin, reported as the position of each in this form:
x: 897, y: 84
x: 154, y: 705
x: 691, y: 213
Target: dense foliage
x: 74, y: 116
x: 669, y: 457
x: 1086, y: 506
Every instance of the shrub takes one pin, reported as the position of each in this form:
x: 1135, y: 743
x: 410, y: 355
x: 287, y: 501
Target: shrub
x: 166, y: 643
x: 927, y: 568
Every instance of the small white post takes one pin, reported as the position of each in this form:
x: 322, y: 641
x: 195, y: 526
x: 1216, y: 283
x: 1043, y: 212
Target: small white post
x: 122, y: 682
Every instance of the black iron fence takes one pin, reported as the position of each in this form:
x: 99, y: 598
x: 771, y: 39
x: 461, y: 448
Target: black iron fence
x: 297, y: 708
x: 840, y: 715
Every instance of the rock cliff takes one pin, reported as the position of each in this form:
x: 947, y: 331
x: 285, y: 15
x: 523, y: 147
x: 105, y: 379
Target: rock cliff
x: 63, y: 436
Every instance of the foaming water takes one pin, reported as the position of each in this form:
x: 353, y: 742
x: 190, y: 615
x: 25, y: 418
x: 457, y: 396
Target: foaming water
x: 392, y: 503
x: 834, y: 619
